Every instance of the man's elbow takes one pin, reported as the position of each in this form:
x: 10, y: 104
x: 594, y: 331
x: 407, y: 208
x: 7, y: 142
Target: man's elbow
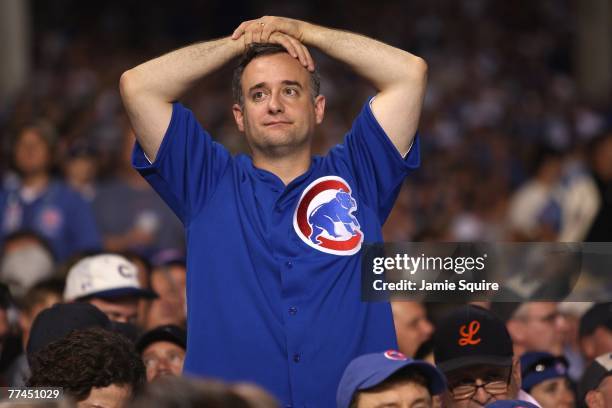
x: 416, y: 69
x: 128, y: 84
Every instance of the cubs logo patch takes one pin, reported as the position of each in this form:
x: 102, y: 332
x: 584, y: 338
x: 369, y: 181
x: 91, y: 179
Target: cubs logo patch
x: 324, y: 217
x: 50, y: 220
x: 395, y: 355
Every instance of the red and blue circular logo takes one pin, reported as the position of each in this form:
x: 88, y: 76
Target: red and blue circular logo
x: 395, y: 355
x: 324, y: 218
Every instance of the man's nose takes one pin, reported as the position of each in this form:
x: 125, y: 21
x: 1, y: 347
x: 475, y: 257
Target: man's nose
x: 275, y: 104
x: 481, y: 396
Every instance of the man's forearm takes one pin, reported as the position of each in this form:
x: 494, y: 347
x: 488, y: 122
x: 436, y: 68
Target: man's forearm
x: 381, y: 64
x: 171, y: 75
x: 149, y: 89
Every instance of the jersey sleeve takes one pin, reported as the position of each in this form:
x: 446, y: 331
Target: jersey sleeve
x: 374, y: 162
x: 188, y: 165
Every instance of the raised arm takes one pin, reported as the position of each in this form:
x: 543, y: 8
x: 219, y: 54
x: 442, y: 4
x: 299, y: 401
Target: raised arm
x: 149, y: 89
x: 399, y: 76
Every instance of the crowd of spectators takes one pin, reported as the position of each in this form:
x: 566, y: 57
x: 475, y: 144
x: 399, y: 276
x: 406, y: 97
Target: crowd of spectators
x: 511, y: 152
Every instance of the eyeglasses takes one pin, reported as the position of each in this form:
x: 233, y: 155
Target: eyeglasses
x: 466, y: 391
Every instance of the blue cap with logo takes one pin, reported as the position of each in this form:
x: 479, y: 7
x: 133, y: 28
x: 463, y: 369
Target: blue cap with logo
x: 541, y: 366
x: 370, y: 370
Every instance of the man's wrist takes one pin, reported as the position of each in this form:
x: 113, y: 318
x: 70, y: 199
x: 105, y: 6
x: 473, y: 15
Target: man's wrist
x: 236, y: 46
x: 311, y: 34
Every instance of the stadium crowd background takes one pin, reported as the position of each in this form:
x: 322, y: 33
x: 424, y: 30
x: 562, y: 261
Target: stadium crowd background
x: 515, y: 146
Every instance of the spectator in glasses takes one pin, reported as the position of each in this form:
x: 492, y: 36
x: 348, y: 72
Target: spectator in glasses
x: 163, y: 351
x: 474, y: 350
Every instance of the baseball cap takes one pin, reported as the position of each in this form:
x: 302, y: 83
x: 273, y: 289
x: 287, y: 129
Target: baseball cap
x: 511, y: 404
x: 60, y: 319
x: 540, y: 366
x: 168, y: 332
x: 598, y: 315
x: 599, y: 369
x: 472, y: 335
x: 369, y: 370
x: 104, y: 276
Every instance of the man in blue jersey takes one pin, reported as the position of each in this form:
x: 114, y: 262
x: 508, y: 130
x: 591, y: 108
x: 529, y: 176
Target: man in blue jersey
x: 273, y: 239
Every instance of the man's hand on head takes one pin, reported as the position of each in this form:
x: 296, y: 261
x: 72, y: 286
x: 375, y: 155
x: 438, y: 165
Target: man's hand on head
x: 277, y: 30
x: 261, y: 29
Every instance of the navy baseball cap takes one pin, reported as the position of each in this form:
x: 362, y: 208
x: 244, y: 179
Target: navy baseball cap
x: 56, y: 322
x: 540, y: 366
x: 469, y: 336
x: 169, y: 332
x: 511, y: 404
x: 599, y: 369
x: 370, y: 370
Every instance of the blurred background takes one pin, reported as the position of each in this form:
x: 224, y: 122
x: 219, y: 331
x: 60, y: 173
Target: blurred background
x: 513, y: 132
x: 516, y: 131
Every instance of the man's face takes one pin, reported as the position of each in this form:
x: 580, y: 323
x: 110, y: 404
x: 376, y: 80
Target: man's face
x: 601, y: 397
x: 279, y: 114
x: 554, y: 393
x: 411, y: 326
x: 539, y: 328
x: 163, y: 358
x: 122, y: 310
x: 598, y: 343
x: 462, y: 383
x: 113, y: 396
x: 170, y: 307
x: 402, y: 395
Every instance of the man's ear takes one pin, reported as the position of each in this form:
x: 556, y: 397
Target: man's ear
x: 594, y: 399
x: 238, y: 116
x: 319, y: 105
x: 515, y: 329
x: 587, y: 347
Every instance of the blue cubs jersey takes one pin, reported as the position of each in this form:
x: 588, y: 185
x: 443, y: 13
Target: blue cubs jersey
x: 59, y: 214
x: 273, y: 285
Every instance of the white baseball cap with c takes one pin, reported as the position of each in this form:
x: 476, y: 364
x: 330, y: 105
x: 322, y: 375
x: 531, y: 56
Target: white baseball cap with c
x: 104, y: 276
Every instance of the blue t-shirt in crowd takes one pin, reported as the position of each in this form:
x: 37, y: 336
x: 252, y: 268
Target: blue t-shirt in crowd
x: 273, y: 285
x: 59, y: 214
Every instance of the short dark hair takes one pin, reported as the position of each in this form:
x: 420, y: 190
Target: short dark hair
x: 39, y: 293
x: 86, y: 359
x: 405, y: 375
x: 257, y: 50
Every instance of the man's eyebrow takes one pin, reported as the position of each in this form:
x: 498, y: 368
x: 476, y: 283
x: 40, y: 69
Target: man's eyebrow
x: 257, y: 86
x: 422, y: 400
x: 285, y: 82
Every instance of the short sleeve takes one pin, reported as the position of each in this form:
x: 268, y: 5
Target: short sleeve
x: 188, y: 165
x: 376, y: 165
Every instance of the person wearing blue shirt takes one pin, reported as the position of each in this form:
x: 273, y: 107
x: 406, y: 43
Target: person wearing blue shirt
x: 35, y: 201
x: 273, y: 239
